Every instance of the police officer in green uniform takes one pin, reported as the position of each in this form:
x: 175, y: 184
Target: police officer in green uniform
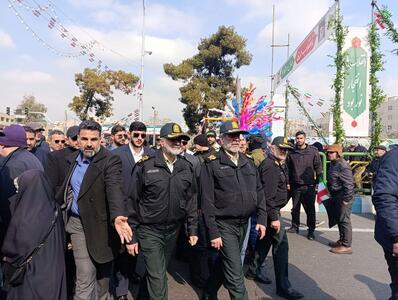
x: 231, y: 191
x: 162, y: 196
x: 274, y: 177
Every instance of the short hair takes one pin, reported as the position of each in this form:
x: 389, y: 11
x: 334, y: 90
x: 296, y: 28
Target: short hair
x: 90, y: 125
x: 115, y: 129
x: 300, y: 132
x: 29, y: 129
x: 54, y: 131
x: 137, y: 126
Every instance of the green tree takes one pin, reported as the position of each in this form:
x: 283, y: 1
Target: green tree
x: 33, y: 107
x: 208, y: 75
x: 96, y: 91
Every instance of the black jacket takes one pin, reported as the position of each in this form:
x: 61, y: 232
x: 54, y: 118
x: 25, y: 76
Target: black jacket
x: 230, y: 191
x: 275, y: 178
x: 57, y: 166
x: 158, y: 197
x: 305, y: 167
x: 100, y: 201
x: 128, y: 164
x: 340, y: 180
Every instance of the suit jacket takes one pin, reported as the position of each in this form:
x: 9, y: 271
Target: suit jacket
x: 128, y: 164
x: 57, y: 166
x: 100, y: 201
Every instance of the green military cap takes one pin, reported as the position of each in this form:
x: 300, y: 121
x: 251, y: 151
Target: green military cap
x: 281, y: 142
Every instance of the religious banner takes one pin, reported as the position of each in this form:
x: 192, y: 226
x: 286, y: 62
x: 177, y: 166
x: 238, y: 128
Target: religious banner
x: 355, y: 112
x: 312, y: 41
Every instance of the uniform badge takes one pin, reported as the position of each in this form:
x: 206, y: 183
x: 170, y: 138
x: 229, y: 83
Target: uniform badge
x: 144, y: 158
x: 176, y: 128
x: 235, y: 125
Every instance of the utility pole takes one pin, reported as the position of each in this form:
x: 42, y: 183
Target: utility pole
x: 141, y: 101
x: 154, y: 129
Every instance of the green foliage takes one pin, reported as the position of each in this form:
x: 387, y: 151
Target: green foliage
x: 341, y: 64
x: 33, y: 106
x: 386, y: 16
x: 376, y: 96
x: 208, y: 75
x: 96, y: 91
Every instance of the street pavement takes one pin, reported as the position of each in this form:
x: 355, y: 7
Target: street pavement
x: 313, y: 270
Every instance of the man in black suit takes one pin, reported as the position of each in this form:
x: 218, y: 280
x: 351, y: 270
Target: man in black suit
x: 129, y: 154
x: 93, y: 202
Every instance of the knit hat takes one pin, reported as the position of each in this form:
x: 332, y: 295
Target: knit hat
x: 335, y: 148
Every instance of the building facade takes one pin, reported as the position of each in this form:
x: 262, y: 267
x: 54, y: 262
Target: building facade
x: 389, y: 117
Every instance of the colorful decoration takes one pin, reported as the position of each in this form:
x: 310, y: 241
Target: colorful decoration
x: 254, y: 115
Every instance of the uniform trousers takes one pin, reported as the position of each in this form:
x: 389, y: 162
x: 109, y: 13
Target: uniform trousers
x: 280, y: 256
x: 228, y: 268
x: 92, y: 279
x: 157, y: 243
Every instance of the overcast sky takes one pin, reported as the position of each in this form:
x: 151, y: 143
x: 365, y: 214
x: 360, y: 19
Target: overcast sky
x: 173, y: 30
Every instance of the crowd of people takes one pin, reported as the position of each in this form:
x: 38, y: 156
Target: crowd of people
x: 77, y: 209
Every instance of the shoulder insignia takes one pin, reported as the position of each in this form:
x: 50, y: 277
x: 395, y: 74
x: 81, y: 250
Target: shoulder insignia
x: 212, y: 157
x: 143, y: 158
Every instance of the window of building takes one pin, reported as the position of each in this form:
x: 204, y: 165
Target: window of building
x: 389, y: 117
x: 390, y: 107
x: 389, y: 128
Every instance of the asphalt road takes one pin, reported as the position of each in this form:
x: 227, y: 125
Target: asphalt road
x: 313, y: 270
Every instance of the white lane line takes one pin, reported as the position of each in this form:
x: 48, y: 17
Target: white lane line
x: 335, y: 229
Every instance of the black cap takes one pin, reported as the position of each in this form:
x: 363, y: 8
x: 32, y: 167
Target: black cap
x: 281, y: 142
x: 72, y: 131
x: 381, y: 147
x: 173, y: 131
x: 211, y: 133
x: 201, y: 140
x: 231, y: 127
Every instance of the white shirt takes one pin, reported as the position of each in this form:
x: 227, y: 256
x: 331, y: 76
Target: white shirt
x: 170, y: 164
x: 137, y: 156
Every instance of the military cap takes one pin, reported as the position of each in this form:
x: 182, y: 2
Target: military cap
x: 173, y: 131
x: 231, y: 127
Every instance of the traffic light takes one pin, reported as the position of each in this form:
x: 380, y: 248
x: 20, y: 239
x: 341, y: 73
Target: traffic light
x: 8, y: 110
x: 26, y: 111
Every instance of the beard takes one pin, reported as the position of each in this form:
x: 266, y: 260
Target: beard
x: 229, y: 147
x: 88, y: 153
x: 172, y: 150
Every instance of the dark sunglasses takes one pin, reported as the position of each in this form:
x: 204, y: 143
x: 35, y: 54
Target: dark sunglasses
x: 59, y: 141
x: 74, y: 138
x: 122, y: 136
x: 184, y: 142
x: 136, y: 135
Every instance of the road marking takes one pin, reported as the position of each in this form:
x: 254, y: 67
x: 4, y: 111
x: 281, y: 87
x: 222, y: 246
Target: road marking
x: 335, y: 229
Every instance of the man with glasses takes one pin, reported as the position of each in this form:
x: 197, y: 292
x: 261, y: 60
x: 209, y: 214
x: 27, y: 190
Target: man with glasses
x: 162, y: 196
x: 56, y: 140
x: 129, y: 154
x: 231, y: 191
x: 119, y: 137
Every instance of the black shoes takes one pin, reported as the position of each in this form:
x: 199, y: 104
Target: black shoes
x: 290, y: 294
x: 259, y: 278
x: 122, y: 297
x: 311, y: 236
x: 293, y: 229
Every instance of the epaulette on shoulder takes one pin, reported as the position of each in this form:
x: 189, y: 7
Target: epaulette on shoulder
x: 210, y: 158
x: 144, y: 158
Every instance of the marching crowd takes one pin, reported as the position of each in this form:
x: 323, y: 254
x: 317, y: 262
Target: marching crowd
x: 76, y: 210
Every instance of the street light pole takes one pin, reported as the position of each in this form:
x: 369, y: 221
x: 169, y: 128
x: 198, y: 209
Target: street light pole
x: 141, y: 101
x: 154, y: 130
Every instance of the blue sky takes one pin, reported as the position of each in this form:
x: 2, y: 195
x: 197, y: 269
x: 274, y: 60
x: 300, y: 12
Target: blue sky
x: 173, y: 30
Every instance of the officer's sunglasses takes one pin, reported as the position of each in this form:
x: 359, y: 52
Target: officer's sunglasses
x: 59, y: 141
x: 184, y: 142
x: 136, y: 135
